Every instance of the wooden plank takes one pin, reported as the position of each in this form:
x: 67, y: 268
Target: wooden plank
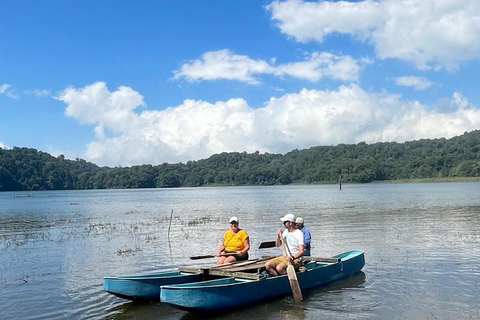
x: 241, y: 275
x: 257, y: 265
x: 208, y: 268
x: 318, y: 259
x: 195, y: 270
x: 239, y: 264
x: 224, y: 273
x: 269, y: 257
x: 308, y: 258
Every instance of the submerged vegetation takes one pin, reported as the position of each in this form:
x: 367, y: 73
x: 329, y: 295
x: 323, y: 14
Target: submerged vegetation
x: 29, y: 169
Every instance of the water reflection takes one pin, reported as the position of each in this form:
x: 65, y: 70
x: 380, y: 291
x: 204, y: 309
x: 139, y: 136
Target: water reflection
x: 142, y: 310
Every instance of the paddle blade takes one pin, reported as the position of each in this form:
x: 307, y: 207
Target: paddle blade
x: 267, y: 244
x: 292, y: 278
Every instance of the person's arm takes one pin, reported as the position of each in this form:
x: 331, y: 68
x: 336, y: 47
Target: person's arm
x: 307, y: 237
x: 219, y: 251
x: 301, y: 250
x: 278, y: 241
x: 222, y: 246
x: 246, y: 247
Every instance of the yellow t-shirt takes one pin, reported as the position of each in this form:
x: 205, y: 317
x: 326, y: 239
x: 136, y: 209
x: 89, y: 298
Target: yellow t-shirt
x: 234, y: 242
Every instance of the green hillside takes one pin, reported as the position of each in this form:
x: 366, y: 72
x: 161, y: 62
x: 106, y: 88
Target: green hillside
x: 26, y: 169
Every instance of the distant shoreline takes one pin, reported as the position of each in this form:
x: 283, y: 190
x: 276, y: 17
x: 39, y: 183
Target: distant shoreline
x: 417, y: 180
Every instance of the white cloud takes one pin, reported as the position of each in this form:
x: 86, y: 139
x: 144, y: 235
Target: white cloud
x: 418, y: 83
x: 319, y: 65
x: 57, y: 152
x: 39, y: 92
x: 428, y: 33
x: 307, y: 21
x: 95, y: 104
x: 4, y: 88
x: 7, y: 90
x: 197, y: 129
x: 224, y: 64
x: 3, y: 146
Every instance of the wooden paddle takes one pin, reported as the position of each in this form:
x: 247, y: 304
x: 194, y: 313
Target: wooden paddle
x: 212, y: 256
x: 292, y: 275
x: 267, y: 244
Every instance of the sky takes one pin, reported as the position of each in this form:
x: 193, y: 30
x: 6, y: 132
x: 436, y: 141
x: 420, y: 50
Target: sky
x: 122, y: 83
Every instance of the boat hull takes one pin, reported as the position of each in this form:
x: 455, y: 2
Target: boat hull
x: 145, y: 287
x: 227, y: 293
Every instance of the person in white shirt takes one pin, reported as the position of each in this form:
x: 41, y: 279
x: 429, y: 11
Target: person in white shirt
x: 294, y: 241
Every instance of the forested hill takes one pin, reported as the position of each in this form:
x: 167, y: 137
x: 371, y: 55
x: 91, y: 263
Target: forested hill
x: 27, y: 169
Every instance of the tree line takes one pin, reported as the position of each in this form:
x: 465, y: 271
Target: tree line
x: 30, y: 169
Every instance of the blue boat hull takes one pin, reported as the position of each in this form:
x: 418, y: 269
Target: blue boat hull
x: 145, y: 287
x: 227, y: 293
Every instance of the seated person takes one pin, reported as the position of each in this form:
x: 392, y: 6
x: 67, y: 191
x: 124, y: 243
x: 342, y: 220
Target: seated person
x: 235, y: 244
x: 293, y: 239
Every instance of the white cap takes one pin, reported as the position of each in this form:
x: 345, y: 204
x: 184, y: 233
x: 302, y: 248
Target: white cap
x: 233, y: 219
x: 299, y: 220
x: 288, y: 217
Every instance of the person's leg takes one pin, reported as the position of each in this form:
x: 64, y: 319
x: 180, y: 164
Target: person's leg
x: 271, y: 264
x: 270, y: 267
x: 229, y: 259
x: 282, y: 267
x: 221, y: 260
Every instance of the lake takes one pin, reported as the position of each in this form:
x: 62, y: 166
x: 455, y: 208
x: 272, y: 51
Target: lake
x: 421, y: 243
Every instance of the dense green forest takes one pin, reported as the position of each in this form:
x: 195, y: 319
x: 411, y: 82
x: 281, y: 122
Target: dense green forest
x: 29, y: 169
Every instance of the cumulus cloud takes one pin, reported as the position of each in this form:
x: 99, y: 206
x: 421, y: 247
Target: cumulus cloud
x: 418, y: 83
x: 8, y: 91
x: 224, y: 64
x: 95, y: 104
x: 2, y: 145
x: 126, y: 135
x: 431, y: 34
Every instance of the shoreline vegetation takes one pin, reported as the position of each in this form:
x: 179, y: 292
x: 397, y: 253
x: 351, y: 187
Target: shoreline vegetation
x: 433, y: 180
x: 418, y: 180
x: 426, y: 160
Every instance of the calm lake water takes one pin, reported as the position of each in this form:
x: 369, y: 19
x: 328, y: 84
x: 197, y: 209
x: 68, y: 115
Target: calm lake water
x: 421, y: 243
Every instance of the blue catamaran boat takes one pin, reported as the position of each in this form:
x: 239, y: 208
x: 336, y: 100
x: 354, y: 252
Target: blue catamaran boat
x: 240, y: 287
x: 146, y: 287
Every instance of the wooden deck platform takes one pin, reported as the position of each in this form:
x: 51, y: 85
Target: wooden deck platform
x: 249, y: 269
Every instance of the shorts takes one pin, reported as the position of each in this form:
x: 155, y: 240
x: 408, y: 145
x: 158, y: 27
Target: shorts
x: 277, y: 260
x: 239, y: 258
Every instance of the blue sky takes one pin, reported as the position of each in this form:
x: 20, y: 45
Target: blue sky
x: 136, y: 82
